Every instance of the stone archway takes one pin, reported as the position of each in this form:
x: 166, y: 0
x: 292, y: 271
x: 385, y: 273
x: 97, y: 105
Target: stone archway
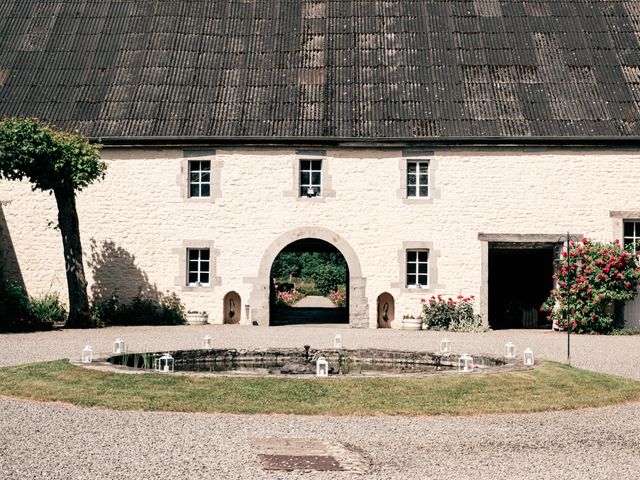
x: 358, y: 304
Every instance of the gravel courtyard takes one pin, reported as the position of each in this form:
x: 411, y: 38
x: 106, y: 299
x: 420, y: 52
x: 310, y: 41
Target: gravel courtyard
x: 57, y: 441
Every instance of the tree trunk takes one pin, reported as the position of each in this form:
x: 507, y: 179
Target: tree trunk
x: 79, y: 314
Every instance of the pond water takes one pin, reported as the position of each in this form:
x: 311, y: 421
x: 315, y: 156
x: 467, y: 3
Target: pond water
x: 372, y: 362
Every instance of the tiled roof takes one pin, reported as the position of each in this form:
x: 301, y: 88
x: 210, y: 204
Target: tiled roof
x: 324, y: 68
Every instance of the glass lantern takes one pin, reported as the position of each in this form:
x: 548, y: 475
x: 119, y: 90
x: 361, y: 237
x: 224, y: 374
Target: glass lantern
x: 337, y: 341
x: 87, y: 354
x: 322, y: 367
x: 465, y: 363
x: 509, y: 350
x: 119, y: 346
x: 206, y: 342
x: 445, y: 345
x: 165, y: 364
x: 528, y: 357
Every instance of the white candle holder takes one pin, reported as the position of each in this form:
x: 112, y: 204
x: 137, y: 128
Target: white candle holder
x: 528, y: 357
x: 322, y: 367
x: 509, y: 350
x: 119, y: 346
x: 87, y: 354
x: 165, y: 364
x: 465, y: 363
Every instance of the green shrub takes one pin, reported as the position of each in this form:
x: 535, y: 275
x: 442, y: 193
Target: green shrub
x: 19, y: 313
x: 330, y: 277
x: 449, y: 314
x: 48, y: 309
x: 169, y: 310
x: 14, y: 308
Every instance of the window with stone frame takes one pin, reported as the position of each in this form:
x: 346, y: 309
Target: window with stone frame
x: 417, y: 178
x: 310, y: 177
x: 198, y: 266
x: 417, y: 268
x: 199, y: 178
x: 632, y: 234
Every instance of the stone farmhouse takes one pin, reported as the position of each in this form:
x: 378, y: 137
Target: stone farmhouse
x: 441, y: 146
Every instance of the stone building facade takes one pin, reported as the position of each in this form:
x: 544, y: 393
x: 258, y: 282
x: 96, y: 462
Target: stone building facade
x: 140, y: 222
x: 448, y: 147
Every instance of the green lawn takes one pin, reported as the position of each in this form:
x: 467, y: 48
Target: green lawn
x: 551, y: 386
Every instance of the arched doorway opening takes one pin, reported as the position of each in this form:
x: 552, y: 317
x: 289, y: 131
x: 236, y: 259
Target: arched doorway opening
x: 232, y: 312
x: 386, y: 310
x: 309, y: 284
x: 358, y: 305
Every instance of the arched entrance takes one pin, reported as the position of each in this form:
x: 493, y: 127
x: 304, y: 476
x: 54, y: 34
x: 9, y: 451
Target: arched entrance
x: 357, y: 305
x: 386, y: 310
x: 309, y: 284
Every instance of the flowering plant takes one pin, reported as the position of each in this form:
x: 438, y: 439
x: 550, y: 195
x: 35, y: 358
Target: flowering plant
x: 288, y: 297
x: 449, y: 314
x: 591, y: 278
x: 338, y: 297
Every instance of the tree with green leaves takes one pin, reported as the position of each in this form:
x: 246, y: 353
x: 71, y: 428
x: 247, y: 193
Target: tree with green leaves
x: 61, y: 163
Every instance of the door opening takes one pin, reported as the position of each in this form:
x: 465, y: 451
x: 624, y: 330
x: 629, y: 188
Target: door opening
x: 520, y: 279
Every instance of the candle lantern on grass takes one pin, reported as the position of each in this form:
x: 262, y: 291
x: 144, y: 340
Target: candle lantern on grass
x: 87, y: 354
x: 528, y: 357
x: 509, y: 350
x: 119, y: 346
x: 322, y: 367
x: 445, y: 345
x: 165, y: 364
x: 465, y: 363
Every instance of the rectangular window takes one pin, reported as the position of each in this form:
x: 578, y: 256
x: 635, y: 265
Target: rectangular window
x: 417, y: 268
x: 200, y: 178
x: 198, y: 266
x: 417, y: 178
x: 632, y: 234
x: 310, y: 178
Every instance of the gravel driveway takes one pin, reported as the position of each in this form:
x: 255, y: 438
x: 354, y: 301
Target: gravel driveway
x: 56, y: 441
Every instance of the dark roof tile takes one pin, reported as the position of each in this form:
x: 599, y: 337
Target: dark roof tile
x: 347, y: 68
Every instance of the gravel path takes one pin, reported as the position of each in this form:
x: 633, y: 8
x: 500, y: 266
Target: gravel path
x: 314, y: 301
x: 64, y: 442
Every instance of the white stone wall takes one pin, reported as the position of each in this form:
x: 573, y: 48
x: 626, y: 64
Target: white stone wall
x: 140, y: 209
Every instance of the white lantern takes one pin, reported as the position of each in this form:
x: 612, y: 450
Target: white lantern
x: 87, y: 354
x: 322, y: 367
x: 465, y: 363
x: 528, y: 357
x: 165, y: 364
x: 337, y: 341
x: 445, y: 345
x: 509, y: 350
x: 119, y: 346
x: 206, y: 342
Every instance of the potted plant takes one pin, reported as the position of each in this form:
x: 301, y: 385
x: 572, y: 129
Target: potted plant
x: 197, y: 318
x: 411, y: 322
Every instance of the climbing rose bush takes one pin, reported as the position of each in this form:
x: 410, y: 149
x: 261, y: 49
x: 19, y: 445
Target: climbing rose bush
x: 288, y: 297
x: 449, y: 314
x: 592, y: 277
x: 338, y: 297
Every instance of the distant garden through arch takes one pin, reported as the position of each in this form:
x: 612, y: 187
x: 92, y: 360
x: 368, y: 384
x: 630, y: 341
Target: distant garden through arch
x: 309, y: 284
